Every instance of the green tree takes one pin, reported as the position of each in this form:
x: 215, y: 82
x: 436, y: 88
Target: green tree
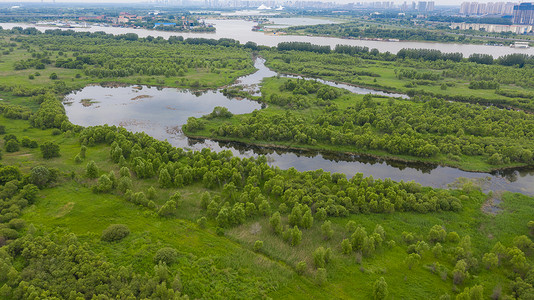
x: 327, y: 230
x: 164, y: 178
x: 115, y: 232
x: 168, y: 209
x: 49, y: 149
x: 91, y: 170
x: 12, y: 146
x: 346, y: 246
x: 321, y: 277
x: 276, y: 223
x: 258, y: 245
x: 380, y: 289
x: 166, y: 255
x: 412, y: 259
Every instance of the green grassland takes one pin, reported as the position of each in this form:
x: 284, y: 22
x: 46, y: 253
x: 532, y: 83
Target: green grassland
x: 220, y: 259
x: 71, y: 207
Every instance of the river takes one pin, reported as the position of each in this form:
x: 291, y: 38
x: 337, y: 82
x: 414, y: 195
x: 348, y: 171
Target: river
x: 160, y: 112
x: 241, y: 30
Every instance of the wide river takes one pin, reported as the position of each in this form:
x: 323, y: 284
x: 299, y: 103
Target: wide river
x: 241, y: 30
x: 160, y: 112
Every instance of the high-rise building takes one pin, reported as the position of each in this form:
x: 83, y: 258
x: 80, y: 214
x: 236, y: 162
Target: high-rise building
x: 524, y: 14
x: 490, y: 8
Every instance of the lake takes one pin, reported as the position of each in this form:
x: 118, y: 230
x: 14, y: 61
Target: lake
x: 241, y: 30
x: 160, y: 112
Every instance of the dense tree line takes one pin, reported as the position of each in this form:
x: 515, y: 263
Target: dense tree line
x: 421, y: 130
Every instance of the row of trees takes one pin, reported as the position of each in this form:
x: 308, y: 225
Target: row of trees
x: 421, y: 130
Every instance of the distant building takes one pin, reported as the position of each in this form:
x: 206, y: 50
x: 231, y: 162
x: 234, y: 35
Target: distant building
x: 518, y: 29
x: 524, y: 14
x: 490, y: 8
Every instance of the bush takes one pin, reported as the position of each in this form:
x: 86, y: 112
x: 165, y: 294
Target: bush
x: 56, y: 131
x: 166, y: 255
x: 321, y: 276
x: 115, y: 232
x: 301, y: 267
x: 104, y: 184
x: 91, y: 170
x: 26, y: 142
x: 258, y: 245
x: 12, y: 145
x: 49, y: 150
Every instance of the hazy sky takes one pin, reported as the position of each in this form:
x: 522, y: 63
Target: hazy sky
x: 439, y: 2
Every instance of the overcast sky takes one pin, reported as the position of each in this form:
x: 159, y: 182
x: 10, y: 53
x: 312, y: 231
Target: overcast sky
x: 438, y: 2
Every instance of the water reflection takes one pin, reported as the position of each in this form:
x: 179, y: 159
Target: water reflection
x: 160, y: 112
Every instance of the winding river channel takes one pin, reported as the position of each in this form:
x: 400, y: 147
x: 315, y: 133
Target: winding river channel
x: 160, y: 112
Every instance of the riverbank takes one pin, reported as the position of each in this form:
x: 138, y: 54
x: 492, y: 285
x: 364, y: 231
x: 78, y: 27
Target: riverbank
x: 474, y: 166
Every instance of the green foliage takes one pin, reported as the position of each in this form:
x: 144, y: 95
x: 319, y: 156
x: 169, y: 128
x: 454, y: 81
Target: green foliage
x: 12, y: 146
x: 301, y: 267
x: 42, y: 176
x: 115, y: 232
x: 168, y: 209
x: 104, y: 184
x: 320, y: 276
x: 166, y: 255
x: 91, y: 170
x: 49, y: 150
x: 346, y: 246
x: 412, y: 260
x: 258, y: 245
x: 327, y: 230
x: 380, y: 289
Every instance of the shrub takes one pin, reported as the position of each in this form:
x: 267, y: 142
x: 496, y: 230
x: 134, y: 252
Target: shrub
x: 380, y: 289
x: 49, y: 150
x: 115, y: 232
x: 258, y: 245
x: 301, y: 267
x: 12, y: 145
x: 321, y: 276
x: 91, y: 170
x: 104, y: 184
x: 166, y: 255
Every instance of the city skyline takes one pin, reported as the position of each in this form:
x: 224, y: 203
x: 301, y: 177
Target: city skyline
x: 397, y: 2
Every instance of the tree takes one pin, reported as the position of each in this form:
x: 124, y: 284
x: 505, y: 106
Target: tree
x: 258, y: 245
x: 319, y: 259
x: 104, y: 184
x: 276, y: 223
x: 490, y: 260
x: 40, y: 176
x: 168, y: 209
x: 358, y: 238
x: 307, y: 219
x: 91, y: 170
x: 321, y: 276
x: 460, y: 272
x: 164, y: 178
x: 437, y: 234
x: 327, y: 230
x: 12, y: 146
x: 301, y: 267
x: 412, y: 259
x: 205, y: 200
x: 380, y: 289
x: 346, y: 246
x: 115, y: 232
x: 49, y: 150
x: 166, y: 255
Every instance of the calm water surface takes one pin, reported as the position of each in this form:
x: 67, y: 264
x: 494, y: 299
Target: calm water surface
x: 160, y: 112
x: 241, y: 30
